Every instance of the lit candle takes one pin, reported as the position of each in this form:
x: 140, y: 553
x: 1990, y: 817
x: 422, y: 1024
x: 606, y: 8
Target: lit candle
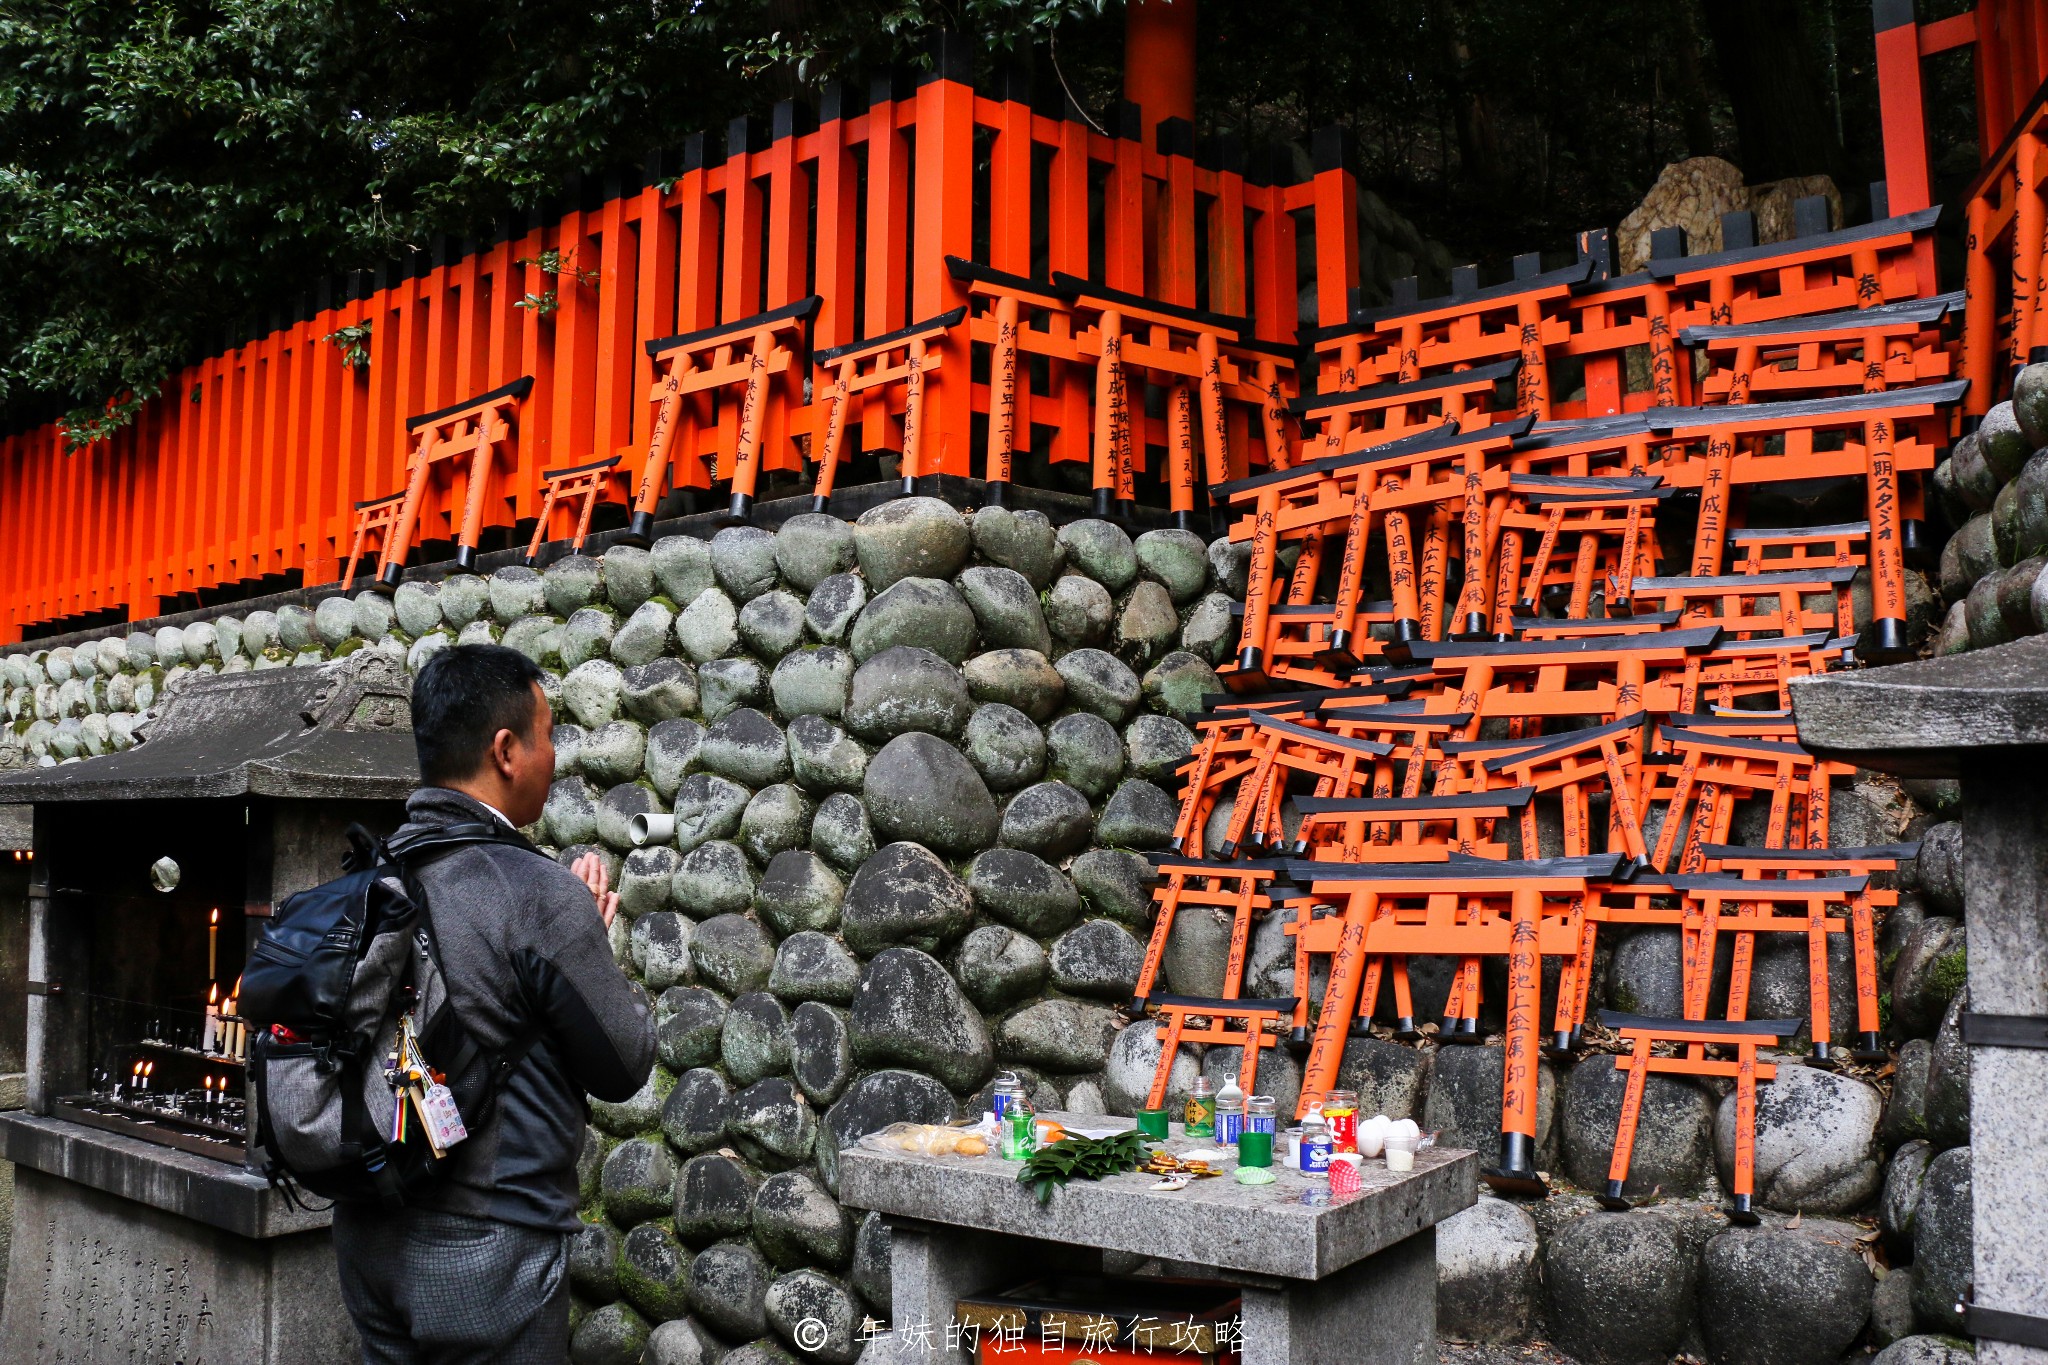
x: 210, y: 1033
x: 213, y: 945
x: 148, y: 1071
x: 135, y: 1078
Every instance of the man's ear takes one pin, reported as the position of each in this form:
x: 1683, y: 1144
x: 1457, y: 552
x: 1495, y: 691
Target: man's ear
x: 504, y: 745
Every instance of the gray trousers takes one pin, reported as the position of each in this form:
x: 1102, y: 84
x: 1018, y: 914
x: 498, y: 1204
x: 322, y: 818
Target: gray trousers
x: 428, y: 1288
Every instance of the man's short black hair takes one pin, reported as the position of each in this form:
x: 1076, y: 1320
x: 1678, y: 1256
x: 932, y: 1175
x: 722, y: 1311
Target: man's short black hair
x: 462, y: 697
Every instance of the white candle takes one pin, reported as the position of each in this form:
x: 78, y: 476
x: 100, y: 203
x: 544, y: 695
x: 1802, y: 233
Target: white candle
x: 210, y: 1033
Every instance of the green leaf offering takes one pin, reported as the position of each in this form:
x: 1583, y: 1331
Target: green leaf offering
x: 1053, y: 1165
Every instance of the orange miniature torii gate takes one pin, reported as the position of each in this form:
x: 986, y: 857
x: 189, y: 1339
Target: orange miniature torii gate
x: 476, y: 427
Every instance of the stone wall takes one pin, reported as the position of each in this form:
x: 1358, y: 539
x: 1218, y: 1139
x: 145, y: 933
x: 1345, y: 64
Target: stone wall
x: 912, y: 762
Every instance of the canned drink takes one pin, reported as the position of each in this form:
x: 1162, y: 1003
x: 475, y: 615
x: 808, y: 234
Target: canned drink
x: 1020, y: 1134
x: 1340, y: 1112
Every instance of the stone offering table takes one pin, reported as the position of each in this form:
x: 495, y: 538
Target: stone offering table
x: 1323, y: 1280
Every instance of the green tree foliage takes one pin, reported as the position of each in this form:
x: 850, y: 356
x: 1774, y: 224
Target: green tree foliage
x: 171, y: 168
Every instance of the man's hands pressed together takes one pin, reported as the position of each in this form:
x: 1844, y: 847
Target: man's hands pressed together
x: 590, y: 870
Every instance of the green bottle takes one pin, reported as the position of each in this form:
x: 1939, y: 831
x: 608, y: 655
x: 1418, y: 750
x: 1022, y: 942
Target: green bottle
x: 1201, y: 1110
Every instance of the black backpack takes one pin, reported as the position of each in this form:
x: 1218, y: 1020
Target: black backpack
x: 336, y: 967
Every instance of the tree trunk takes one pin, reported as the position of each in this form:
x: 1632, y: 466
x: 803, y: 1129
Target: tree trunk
x: 1776, y: 90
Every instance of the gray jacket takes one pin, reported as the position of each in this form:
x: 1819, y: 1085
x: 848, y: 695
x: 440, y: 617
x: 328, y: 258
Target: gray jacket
x: 521, y: 943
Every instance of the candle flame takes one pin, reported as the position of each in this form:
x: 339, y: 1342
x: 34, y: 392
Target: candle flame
x: 149, y: 1068
x: 214, y: 918
x: 213, y: 994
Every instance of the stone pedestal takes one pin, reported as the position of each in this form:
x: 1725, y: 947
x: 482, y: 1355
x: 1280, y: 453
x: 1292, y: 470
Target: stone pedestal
x: 124, y: 1251
x: 1323, y: 1281
x: 1982, y: 717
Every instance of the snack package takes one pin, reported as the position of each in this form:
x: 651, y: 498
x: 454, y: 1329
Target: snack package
x: 932, y: 1139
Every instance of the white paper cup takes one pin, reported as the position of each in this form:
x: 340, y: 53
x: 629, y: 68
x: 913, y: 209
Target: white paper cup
x: 1372, y: 1134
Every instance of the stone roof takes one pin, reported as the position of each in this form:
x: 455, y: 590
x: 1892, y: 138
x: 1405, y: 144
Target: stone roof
x: 1917, y: 719
x: 342, y: 729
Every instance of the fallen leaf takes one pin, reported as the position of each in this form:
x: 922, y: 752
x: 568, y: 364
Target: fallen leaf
x: 1797, y: 1219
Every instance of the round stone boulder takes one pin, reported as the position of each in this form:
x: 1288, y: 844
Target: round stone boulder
x: 1085, y: 753
x: 1941, y: 868
x: 799, y: 891
x: 772, y: 624
x: 1098, y: 958
x: 1022, y: 890
x: 909, y: 1011
x: 810, y: 965
x: 611, y: 1335
x: 1155, y: 747
x: 1780, y: 1296
x: 1138, y: 816
x: 373, y: 611
x: 773, y: 1123
x: 997, y: 967
x: 1944, y: 1248
x: 1006, y: 609
x: 1905, y: 1176
x: 812, y: 546
x: 1926, y: 1350
x: 714, y: 1197
x: 920, y: 788
x: 693, y: 1116
x: 588, y: 634
x: 1389, y: 1079
x: 840, y: 831
x: 1816, y: 1141
x: 821, y: 1051
x: 754, y: 1039
x: 1115, y: 884
x: 1211, y: 631
x: 654, y: 1271
x: 904, y: 689
x: 729, y: 1290
x: 1927, y: 976
x: 671, y: 748
x: 776, y: 820
x: 613, y: 753
x: 463, y: 598
x: 927, y: 613
x: 725, y: 684
x: 658, y: 690
x: 591, y: 692
x: 1674, y: 1146
x: 1004, y: 746
x: 1079, y: 611
x: 1146, y: 625
x: 1586, y: 1264
x: 870, y: 1274
x: 1947, y: 1100
x: 833, y: 606
x: 690, y: 1021
x: 1465, y: 1095
x: 803, y: 1301
x: 1023, y: 541
x: 747, y: 747
x: 1102, y: 550
x: 1049, y: 819
x: 334, y: 620
x: 903, y: 894
x: 732, y: 954
x: 797, y: 1223
x: 638, y: 1182
x: 594, y: 1261
x: 823, y: 757
x: 708, y: 627
x: 661, y: 948
x: 1134, y: 1060
x: 1059, y: 1035
x: 570, y: 584
x: 871, y: 1104
x: 570, y: 815
x: 743, y: 561
x: 1175, y: 559
x: 1099, y: 683
x: 1022, y: 678
x: 628, y: 576
x: 708, y: 807
x: 910, y: 538
x: 1487, y: 1286
x: 813, y: 682
x: 1178, y: 683
x: 714, y: 879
